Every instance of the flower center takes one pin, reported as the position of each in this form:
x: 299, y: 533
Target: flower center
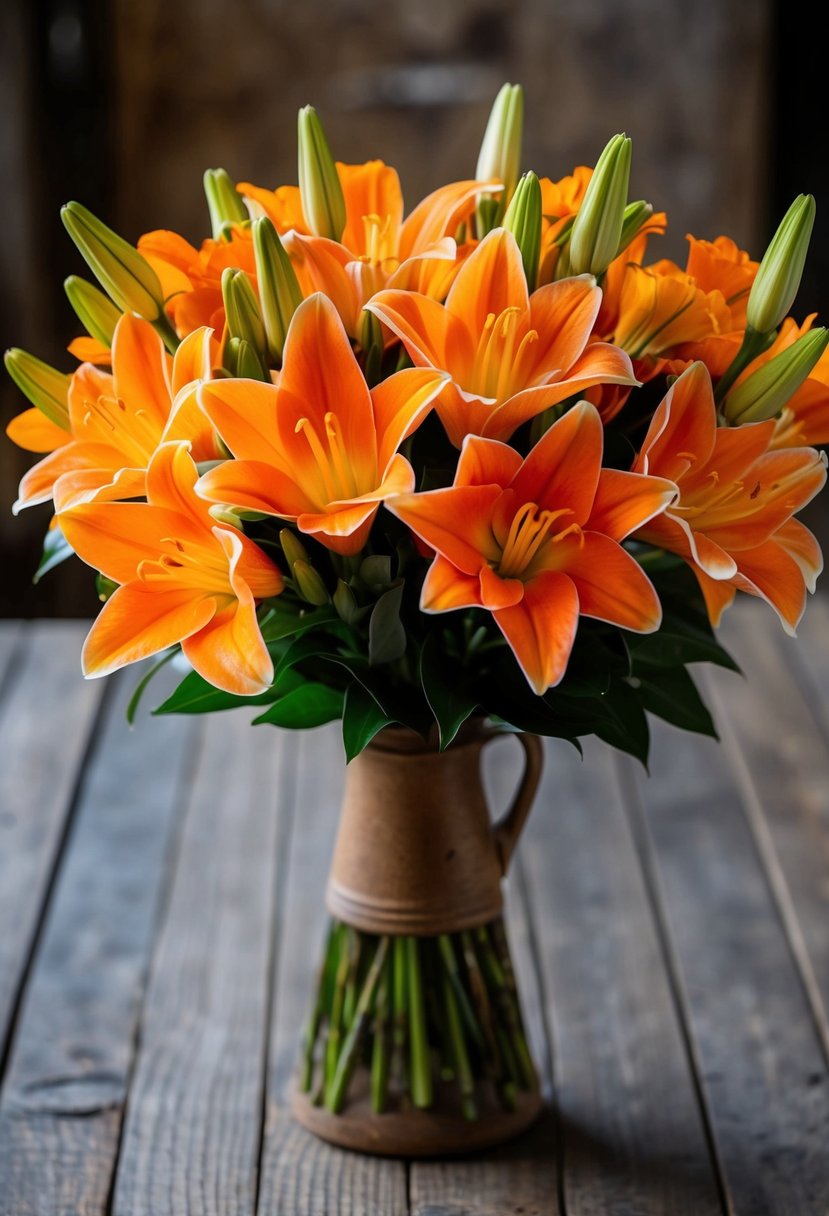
x: 379, y: 240
x: 530, y: 529
x: 134, y: 433
x: 336, y: 479
x: 500, y: 363
x: 198, y: 567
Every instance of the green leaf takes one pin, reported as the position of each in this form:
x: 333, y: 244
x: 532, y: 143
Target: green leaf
x: 375, y: 572
x: 386, y: 634
x: 672, y: 695
x: 677, y: 644
x: 308, y: 705
x: 363, y: 717
x: 56, y: 549
x: 134, y: 701
x: 281, y: 624
x: 623, y: 723
x: 445, y: 688
x: 194, y: 695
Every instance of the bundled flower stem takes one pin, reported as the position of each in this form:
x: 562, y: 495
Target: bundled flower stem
x: 417, y: 1012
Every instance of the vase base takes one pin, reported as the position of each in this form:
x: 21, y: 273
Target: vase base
x: 439, y: 1131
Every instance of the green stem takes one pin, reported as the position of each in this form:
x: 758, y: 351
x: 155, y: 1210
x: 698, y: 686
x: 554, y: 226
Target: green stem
x: 421, y: 1064
x: 165, y: 331
x: 380, y: 1047
x: 753, y: 344
x: 400, y: 1015
x: 450, y: 965
x: 332, y: 1047
x: 335, y: 1094
x: 460, y: 1056
x: 312, y: 1027
x: 513, y: 1044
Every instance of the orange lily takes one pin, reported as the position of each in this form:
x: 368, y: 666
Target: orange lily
x: 319, y: 448
x: 379, y: 249
x: 537, y: 541
x: 183, y: 578
x: 510, y: 355
x: 118, y: 420
x: 191, y: 278
x: 732, y: 520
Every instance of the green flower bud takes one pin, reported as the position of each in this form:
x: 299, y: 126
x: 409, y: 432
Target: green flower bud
x: 242, y: 361
x: 242, y: 310
x: 223, y: 202
x: 523, y: 220
x: 636, y: 215
x: 292, y: 547
x: 309, y: 584
x: 767, y: 390
x: 279, y: 292
x: 323, y: 204
x: 597, y: 229
x: 44, y: 386
x: 96, y: 313
x: 500, y: 154
x: 345, y: 603
x: 777, y: 281
x: 127, y: 278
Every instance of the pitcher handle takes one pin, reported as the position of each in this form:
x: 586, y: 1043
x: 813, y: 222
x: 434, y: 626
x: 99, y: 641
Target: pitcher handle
x: 508, y: 828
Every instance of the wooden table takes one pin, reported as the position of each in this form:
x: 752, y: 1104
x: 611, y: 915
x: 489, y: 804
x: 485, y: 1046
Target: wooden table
x: 161, y: 912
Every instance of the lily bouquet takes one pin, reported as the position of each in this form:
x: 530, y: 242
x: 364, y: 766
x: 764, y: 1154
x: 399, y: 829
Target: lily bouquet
x: 487, y: 460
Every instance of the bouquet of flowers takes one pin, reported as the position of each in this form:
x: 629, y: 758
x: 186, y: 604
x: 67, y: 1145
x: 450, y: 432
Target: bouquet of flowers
x: 485, y: 459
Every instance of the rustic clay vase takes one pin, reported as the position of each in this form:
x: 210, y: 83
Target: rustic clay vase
x: 417, y: 854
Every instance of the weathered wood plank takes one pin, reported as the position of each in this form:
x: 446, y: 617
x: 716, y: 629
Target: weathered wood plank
x: 301, y: 1176
x: 62, y: 1103
x: 11, y: 641
x: 192, y: 1133
x: 762, y: 1069
x: 632, y: 1134
x: 778, y: 748
x: 523, y: 1176
x: 45, y: 719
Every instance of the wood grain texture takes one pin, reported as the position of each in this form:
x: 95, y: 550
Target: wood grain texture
x: 784, y: 787
x: 763, y: 1072
x: 521, y: 1177
x: 302, y: 1176
x: 191, y: 1139
x: 69, y: 1071
x: 632, y: 1134
x: 46, y: 714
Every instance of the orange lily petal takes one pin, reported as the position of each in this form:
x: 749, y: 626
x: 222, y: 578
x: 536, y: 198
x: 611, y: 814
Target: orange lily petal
x: 244, y: 414
x: 446, y: 588
x: 683, y: 428
x: 88, y: 383
x: 486, y: 462
x: 599, y: 364
x: 626, y: 501
x: 772, y: 574
x: 454, y: 522
x: 141, y: 366
x: 326, y: 266
x: 195, y: 359
x: 34, y: 432
x: 439, y: 214
x: 229, y: 651
x: 344, y: 529
x: 490, y: 280
x: 98, y: 485
x: 717, y: 595
x: 253, y: 485
x: 612, y: 586
x: 90, y: 350
x: 283, y: 206
x: 541, y: 629
x: 37, y: 485
x: 369, y: 189
x: 562, y: 470
x: 116, y: 537
x: 430, y: 334
x: 400, y: 403
x: 136, y: 622
x: 171, y: 480
x: 796, y: 539
x: 497, y: 592
x: 563, y: 315
x: 785, y: 481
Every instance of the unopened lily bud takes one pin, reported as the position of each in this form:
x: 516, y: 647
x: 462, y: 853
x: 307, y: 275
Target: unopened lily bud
x: 500, y: 154
x: 96, y: 313
x: 635, y: 216
x: 309, y: 584
x: 45, y: 386
x: 127, y: 277
x: 523, y: 220
x: 320, y: 191
x: 345, y: 603
x: 767, y: 390
x: 292, y: 547
x: 242, y: 361
x: 279, y: 292
x: 242, y: 310
x: 775, y: 286
x: 223, y: 202
x: 597, y: 229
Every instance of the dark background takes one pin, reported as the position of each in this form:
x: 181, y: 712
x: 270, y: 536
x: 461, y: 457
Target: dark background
x: 123, y: 104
